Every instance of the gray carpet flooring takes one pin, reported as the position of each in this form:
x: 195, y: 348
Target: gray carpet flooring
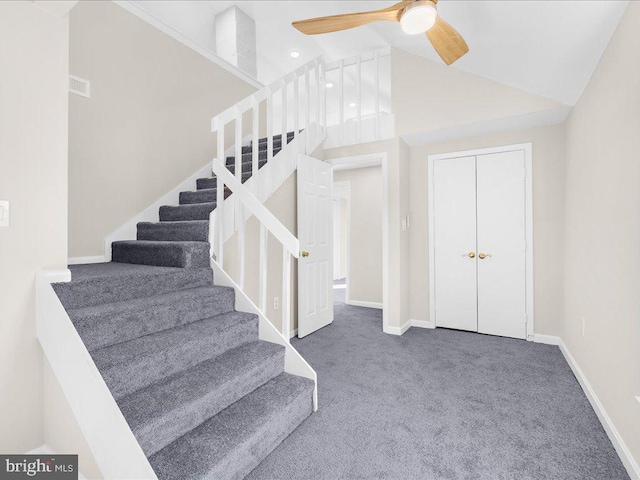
x: 440, y: 404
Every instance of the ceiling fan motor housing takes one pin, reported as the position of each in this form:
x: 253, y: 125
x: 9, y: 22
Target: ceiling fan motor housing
x: 418, y: 16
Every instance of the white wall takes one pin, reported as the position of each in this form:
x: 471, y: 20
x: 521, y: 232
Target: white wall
x: 602, y: 231
x: 364, y: 253
x: 147, y: 125
x: 548, y: 218
x: 33, y: 177
x: 429, y: 96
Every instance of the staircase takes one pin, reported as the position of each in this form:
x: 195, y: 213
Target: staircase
x: 204, y: 397
x: 170, y: 375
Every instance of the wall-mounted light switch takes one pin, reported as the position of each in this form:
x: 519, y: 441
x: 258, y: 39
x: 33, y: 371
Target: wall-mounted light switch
x: 4, y: 213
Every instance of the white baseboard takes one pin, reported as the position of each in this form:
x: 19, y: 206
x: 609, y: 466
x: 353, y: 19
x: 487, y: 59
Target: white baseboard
x: 621, y: 448
x: 422, y: 323
x: 360, y: 303
x: 407, y: 325
x: 546, y: 339
x: 81, y: 260
x: 47, y: 450
x: 294, y: 333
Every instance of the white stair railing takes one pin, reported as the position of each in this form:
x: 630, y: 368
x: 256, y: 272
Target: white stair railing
x: 268, y: 224
x: 290, y: 106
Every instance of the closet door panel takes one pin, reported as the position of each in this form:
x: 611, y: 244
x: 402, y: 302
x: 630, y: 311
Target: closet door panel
x: 501, y: 237
x: 455, y: 237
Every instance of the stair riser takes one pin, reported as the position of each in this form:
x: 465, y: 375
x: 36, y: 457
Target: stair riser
x: 272, y: 434
x: 232, y: 443
x: 99, y: 331
x: 246, y: 167
x: 143, y: 371
x: 248, y: 157
x: 117, y: 289
x: 200, y: 211
x: 169, y: 254
x: 168, y: 232
x: 154, y: 438
x: 208, y: 183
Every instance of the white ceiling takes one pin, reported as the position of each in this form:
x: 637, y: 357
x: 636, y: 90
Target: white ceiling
x: 549, y: 48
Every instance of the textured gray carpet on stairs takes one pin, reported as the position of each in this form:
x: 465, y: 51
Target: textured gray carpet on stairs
x: 205, y: 398
x: 439, y: 405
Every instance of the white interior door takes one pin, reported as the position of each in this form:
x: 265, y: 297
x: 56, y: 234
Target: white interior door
x: 315, y: 232
x: 454, y: 210
x: 502, y: 242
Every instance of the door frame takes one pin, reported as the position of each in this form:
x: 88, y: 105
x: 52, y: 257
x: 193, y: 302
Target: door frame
x: 342, y: 191
x: 363, y: 161
x: 527, y: 148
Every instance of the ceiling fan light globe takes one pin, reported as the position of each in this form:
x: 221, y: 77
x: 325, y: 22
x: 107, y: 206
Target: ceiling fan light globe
x: 418, y: 17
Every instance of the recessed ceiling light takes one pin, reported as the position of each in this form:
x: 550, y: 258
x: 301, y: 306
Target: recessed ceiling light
x: 352, y: 104
x: 294, y: 54
x: 329, y: 85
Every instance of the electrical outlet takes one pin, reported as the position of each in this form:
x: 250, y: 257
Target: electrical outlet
x: 584, y: 326
x: 276, y: 303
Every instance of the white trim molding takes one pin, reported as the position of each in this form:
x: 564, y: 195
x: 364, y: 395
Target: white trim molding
x: 152, y: 20
x: 527, y: 148
x: 407, y: 325
x: 546, y: 339
x: 361, y: 303
x: 83, y: 260
x: 621, y: 448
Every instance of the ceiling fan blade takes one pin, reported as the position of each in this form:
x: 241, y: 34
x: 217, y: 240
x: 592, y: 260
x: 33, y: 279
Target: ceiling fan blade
x: 335, y: 23
x: 447, y: 41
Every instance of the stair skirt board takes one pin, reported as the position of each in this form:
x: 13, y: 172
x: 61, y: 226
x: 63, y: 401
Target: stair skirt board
x: 204, y: 396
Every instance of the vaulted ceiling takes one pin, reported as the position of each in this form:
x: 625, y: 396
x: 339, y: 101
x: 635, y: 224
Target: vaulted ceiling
x: 549, y: 48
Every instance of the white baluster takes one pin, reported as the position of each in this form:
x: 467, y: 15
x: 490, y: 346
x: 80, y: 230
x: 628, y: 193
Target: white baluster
x: 239, y: 215
x: 317, y: 94
x: 262, y: 281
x: 341, y: 96
x: 377, y: 94
x: 220, y: 201
x: 359, y: 98
x: 308, y: 109
x: 285, y: 107
x: 269, y: 181
x: 255, y: 145
x: 286, y: 294
x: 296, y: 108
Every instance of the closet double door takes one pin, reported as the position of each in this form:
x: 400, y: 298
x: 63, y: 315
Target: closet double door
x: 479, y: 221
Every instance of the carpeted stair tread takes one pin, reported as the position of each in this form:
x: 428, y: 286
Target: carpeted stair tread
x: 174, y: 231
x: 164, y: 411
x: 210, y: 182
x: 99, y: 283
x: 236, y: 440
x: 208, y: 195
x: 247, y: 167
x: 196, y: 211
x: 135, y: 364
x: 161, y: 254
x: 111, y: 323
x: 247, y: 157
x: 276, y: 138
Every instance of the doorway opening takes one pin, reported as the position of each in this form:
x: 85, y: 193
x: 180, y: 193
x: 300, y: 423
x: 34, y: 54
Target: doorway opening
x: 360, y: 229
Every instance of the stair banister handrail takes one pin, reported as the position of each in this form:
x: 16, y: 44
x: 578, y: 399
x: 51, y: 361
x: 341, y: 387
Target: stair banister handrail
x: 268, y: 224
x: 257, y: 209
x: 247, y: 103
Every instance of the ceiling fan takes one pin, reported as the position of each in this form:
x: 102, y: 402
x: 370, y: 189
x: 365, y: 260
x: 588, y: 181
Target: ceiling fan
x: 415, y: 16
